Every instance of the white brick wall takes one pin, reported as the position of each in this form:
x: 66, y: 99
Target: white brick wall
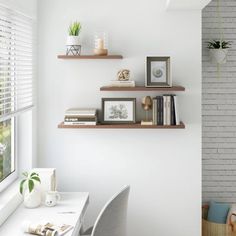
x: 219, y: 108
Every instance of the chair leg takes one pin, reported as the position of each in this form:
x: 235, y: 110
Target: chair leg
x: 87, y: 231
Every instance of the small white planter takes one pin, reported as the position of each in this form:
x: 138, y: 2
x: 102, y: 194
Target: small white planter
x: 72, y: 41
x: 73, y: 45
x: 33, y: 199
x: 219, y: 56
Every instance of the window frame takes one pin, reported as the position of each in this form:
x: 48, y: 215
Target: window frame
x: 14, y: 175
x: 21, y: 108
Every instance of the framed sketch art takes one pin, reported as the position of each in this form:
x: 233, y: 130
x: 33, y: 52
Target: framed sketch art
x: 118, y: 110
x: 158, y: 72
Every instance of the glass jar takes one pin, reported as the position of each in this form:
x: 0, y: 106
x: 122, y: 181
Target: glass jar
x: 100, y: 40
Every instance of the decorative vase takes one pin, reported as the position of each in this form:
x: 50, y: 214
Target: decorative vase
x: 219, y: 56
x: 73, y: 45
x: 32, y: 199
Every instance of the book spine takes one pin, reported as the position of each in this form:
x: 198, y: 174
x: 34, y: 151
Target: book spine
x: 154, y: 110
x: 157, y: 110
x: 70, y: 119
x: 177, y: 122
x: 161, y: 110
x: 172, y: 111
x: 168, y: 110
x: 158, y: 107
x: 122, y: 85
x: 80, y: 123
x: 164, y: 110
x: 79, y: 115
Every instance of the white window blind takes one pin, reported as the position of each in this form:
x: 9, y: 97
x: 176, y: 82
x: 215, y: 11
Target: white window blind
x: 16, y: 63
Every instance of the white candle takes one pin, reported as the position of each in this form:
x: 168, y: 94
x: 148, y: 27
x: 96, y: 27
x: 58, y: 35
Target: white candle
x: 100, y: 44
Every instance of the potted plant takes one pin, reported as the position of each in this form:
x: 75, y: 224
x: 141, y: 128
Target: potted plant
x: 218, y: 50
x: 73, y: 43
x: 28, y: 188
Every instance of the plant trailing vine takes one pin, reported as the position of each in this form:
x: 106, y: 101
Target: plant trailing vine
x: 29, y: 181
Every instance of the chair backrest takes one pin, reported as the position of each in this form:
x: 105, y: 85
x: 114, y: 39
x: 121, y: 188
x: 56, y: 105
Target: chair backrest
x: 112, y: 219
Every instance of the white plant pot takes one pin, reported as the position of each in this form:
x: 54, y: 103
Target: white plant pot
x: 72, y: 41
x: 219, y: 56
x: 33, y: 199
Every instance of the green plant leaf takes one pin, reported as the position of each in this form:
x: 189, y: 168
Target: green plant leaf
x: 25, y: 174
x: 22, y: 185
x: 74, y: 28
x: 33, y: 174
x: 218, y: 44
x: 36, y: 178
x: 31, y: 185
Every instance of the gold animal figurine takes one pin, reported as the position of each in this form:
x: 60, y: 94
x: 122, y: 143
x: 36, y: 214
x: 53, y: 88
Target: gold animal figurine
x: 147, y: 106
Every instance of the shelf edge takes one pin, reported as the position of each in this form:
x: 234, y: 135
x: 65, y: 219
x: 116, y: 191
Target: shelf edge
x: 68, y: 57
x: 141, y: 88
x: 121, y: 126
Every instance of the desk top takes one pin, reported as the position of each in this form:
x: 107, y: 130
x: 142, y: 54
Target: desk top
x: 69, y: 210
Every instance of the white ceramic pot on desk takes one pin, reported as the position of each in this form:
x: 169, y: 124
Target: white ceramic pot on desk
x: 32, y: 199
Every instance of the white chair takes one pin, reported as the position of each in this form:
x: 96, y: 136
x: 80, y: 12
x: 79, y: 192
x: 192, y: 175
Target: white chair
x: 111, y: 221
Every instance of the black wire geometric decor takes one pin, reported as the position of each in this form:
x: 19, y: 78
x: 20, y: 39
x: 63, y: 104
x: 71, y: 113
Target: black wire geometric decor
x: 74, y: 50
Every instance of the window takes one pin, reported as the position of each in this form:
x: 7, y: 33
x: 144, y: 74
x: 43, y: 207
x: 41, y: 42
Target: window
x: 7, y: 147
x: 16, y: 85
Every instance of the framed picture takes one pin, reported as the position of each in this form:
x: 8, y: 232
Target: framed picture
x: 118, y: 110
x: 158, y: 72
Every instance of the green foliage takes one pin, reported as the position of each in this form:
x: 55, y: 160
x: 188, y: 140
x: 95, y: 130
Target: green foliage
x: 74, y: 28
x: 29, y: 181
x: 217, y: 44
x: 5, y: 157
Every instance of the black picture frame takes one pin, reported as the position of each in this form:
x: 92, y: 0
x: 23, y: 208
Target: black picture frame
x: 166, y: 73
x: 118, y: 121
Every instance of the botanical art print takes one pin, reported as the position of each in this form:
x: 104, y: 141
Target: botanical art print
x: 118, y: 110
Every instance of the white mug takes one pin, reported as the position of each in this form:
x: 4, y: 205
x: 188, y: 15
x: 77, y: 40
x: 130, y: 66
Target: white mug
x: 51, y: 199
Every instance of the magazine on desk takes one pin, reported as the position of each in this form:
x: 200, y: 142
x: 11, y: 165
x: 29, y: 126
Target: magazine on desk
x: 46, y: 229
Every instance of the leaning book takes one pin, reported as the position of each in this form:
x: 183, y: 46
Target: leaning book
x: 46, y: 229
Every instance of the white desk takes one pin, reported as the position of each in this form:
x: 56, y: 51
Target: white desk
x: 70, y: 210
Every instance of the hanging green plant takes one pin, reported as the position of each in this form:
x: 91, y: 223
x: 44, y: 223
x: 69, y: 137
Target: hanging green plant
x: 219, y: 51
x: 217, y: 44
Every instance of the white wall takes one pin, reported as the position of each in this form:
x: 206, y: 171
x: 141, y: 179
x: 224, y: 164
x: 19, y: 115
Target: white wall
x: 186, y: 4
x: 163, y: 167
x: 28, y: 7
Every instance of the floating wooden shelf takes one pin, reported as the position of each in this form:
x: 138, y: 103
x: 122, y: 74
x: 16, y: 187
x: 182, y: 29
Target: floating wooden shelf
x: 143, y: 88
x: 121, y: 126
x: 89, y: 57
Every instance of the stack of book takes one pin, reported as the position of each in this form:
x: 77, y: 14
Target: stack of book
x: 125, y: 83
x: 165, y: 110
x: 76, y: 116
